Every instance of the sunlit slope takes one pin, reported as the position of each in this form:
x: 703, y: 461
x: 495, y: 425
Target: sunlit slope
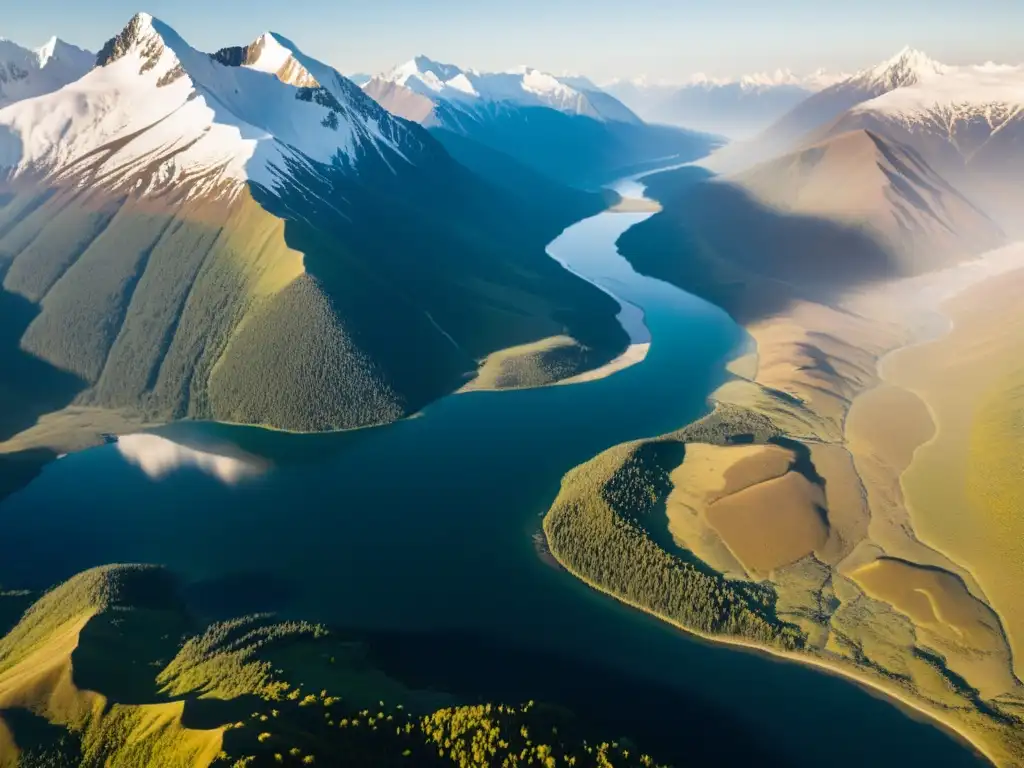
x: 963, y: 487
x: 40, y: 661
x: 146, y: 307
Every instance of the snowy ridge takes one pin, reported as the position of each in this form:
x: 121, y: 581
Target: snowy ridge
x: 815, y: 81
x: 908, y: 67
x: 521, y: 86
x: 990, y: 92
x: 25, y: 73
x: 155, y: 113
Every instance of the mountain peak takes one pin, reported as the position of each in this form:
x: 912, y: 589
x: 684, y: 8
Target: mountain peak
x: 433, y: 74
x: 268, y: 53
x: 29, y: 72
x: 907, y: 67
x: 443, y: 71
x: 139, y: 33
x: 46, y: 50
x: 271, y: 53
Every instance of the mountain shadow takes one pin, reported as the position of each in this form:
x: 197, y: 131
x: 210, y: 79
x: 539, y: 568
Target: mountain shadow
x: 716, y: 240
x: 573, y: 149
x: 30, y: 387
x: 681, y: 728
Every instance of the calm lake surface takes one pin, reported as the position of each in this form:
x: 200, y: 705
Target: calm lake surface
x: 419, y: 536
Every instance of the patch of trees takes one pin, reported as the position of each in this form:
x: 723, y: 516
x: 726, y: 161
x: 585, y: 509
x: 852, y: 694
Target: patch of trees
x: 237, y: 687
x: 320, y: 730
x: 598, y: 528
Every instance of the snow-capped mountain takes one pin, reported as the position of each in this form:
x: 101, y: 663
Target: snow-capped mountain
x: 25, y: 72
x: 170, y: 113
x: 247, y: 236
x: 906, y: 68
x: 521, y: 87
x: 564, y: 127
x: 818, y: 110
x: 967, y: 121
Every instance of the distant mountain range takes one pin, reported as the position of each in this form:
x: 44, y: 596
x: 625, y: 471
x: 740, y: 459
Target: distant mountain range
x: 246, y: 236
x: 736, y: 108
x: 563, y: 127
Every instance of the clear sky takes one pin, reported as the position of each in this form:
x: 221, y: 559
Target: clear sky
x: 667, y: 39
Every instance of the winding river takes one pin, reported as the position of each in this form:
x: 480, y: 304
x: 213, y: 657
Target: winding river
x: 419, y: 536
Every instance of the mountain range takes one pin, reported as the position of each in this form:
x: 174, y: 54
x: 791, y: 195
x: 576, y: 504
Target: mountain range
x: 563, y: 127
x: 246, y: 236
x: 737, y: 108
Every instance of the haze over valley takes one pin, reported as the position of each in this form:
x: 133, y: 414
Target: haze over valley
x: 445, y: 415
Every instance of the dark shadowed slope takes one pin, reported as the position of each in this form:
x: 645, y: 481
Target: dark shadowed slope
x: 565, y: 128
x: 111, y: 668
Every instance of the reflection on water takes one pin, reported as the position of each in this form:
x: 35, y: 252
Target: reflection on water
x: 158, y: 457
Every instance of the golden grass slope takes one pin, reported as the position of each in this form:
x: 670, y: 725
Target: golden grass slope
x: 708, y: 473
x: 964, y: 628
x: 771, y: 524
x: 741, y: 510
x: 37, y: 674
x: 964, y: 487
x: 811, y: 361
x: 10, y: 755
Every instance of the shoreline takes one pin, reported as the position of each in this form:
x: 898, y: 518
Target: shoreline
x: 634, y: 354
x: 906, y: 705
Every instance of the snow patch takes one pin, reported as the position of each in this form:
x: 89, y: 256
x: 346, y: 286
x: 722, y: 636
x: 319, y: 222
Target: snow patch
x: 272, y: 55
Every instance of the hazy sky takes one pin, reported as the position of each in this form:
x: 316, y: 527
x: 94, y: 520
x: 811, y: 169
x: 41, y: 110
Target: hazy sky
x: 668, y: 39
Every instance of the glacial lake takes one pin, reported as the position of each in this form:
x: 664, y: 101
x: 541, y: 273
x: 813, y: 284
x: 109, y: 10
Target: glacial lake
x: 420, y: 537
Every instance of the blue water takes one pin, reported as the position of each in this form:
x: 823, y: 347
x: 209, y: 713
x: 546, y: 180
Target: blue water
x: 419, y: 537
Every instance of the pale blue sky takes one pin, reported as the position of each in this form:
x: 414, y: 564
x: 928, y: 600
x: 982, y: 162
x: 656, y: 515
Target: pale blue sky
x: 601, y: 38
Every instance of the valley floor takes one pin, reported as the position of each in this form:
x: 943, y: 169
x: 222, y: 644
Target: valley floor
x: 864, y: 464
